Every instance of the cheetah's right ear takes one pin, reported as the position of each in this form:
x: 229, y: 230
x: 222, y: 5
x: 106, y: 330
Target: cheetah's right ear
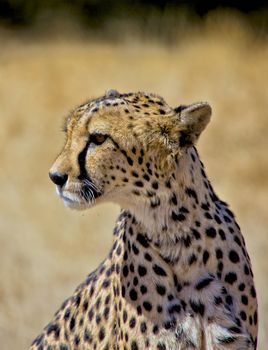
x: 193, y: 120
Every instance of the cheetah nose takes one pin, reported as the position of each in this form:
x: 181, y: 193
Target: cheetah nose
x: 58, y: 178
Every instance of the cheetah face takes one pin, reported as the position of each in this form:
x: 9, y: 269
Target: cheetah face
x: 118, y: 148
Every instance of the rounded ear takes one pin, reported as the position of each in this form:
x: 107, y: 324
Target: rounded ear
x: 193, y: 120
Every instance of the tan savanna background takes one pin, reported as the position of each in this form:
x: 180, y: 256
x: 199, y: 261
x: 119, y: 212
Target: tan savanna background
x: 46, y: 250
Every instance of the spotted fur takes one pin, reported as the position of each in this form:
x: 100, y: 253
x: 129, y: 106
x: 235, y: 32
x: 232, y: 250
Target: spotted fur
x: 178, y: 275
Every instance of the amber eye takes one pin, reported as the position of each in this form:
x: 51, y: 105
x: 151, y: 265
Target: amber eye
x: 98, y: 139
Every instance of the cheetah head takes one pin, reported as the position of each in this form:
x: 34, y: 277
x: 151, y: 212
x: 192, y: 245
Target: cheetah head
x: 122, y: 147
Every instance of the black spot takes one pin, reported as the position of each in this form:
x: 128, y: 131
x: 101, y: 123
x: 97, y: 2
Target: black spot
x: 229, y: 300
x: 130, y: 161
x: 143, y: 327
x: 125, y: 271
x: 192, y: 194
x: 208, y: 216
x: 176, y: 308
x: 241, y: 287
x: 204, y: 283
x: 77, y: 300
x: 143, y: 289
x: 148, y: 257
x: 124, y: 316
x: 146, y: 177
x: 217, y: 218
x: 132, y: 322
x: 138, y: 183
x: 98, y: 303
x: 168, y: 184
x: 244, y: 299
x: 226, y: 340
x: 217, y: 300
x: 106, y: 312
x: 237, y: 241
x: 90, y: 314
x: 125, y: 256
x: 134, y: 345
x: 161, y: 289
x: 192, y: 259
x: 177, y: 217
x: 38, y: 340
x: 211, y: 232
x: 234, y: 330
x: 142, y: 270
x: 219, y: 254
x: 159, y: 270
x: 228, y: 211
x: 161, y: 346
x: 230, y: 277
x: 246, y: 269
x: 155, y: 203
x: 250, y: 320
x: 72, y: 324
x: 76, y: 340
x: 173, y: 199
x: 204, y: 206
x: 159, y: 309
x: 205, y: 256
x: 135, y: 249
x: 133, y: 294
x: 137, y: 193
x: 62, y: 347
x: 87, y: 336
x: 106, y: 283
x: 155, y: 185
x: 134, y: 173
x: 187, y: 241
x: 233, y: 256
x: 147, y: 305
x: 169, y: 324
x: 193, y: 157
x: 196, y: 234
x: 220, y: 266
x: 139, y: 311
x: 227, y: 219
x: 222, y: 234
x: 255, y: 317
x: 142, y: 240
x: 98, y: 318
x: 197, y: 307
x: 67, y: 314
x: 54, y: 328
x: 253, y: 292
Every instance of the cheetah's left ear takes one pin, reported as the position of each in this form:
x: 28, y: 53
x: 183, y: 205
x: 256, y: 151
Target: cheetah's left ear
x: 193, y: 119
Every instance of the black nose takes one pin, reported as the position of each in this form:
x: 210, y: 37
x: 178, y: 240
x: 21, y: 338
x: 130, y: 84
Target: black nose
x: 58, y: 178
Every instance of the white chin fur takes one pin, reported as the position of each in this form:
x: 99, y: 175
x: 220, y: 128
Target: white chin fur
x: 72, y: 200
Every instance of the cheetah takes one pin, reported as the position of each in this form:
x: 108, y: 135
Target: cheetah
x: 178, y: 275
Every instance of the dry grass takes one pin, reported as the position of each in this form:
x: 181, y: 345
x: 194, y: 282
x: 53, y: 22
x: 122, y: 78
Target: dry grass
x: 46, y: 250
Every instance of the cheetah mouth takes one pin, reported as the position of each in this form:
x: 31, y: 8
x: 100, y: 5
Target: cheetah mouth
x: 79, y: 196
x: 71, y: 200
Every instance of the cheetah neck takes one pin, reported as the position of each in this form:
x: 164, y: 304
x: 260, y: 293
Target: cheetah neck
x: 181, y: 202
x: 180, y: 227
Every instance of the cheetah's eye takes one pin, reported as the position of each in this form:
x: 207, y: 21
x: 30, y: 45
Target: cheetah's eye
x: 98, y: 139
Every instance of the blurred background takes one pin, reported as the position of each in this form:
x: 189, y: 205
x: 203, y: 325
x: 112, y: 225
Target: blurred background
x: 56, y: 54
